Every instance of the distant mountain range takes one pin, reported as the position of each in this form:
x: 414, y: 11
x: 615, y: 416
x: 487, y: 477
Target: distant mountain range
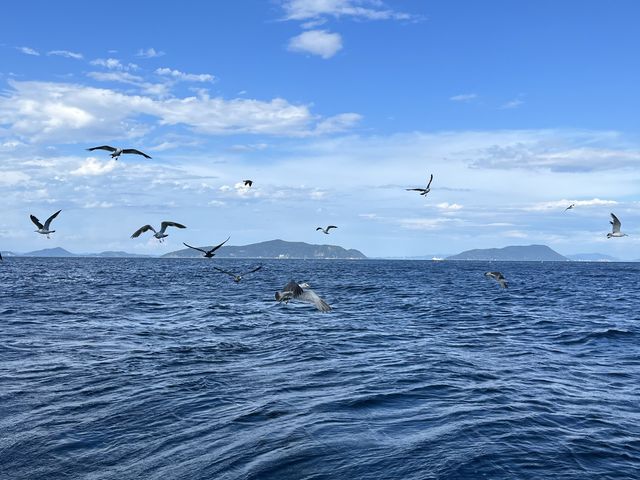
x: 518, y: 253
x: 275, y: 249
x: 61, y: 252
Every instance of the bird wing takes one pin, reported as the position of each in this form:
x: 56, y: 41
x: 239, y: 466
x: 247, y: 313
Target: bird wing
x: 137, y: 152
x: 502, y: 282
x: 430, y: 180
x: 616, y: 224
x: 251, y: 271
x: 103, y: 147
x: 50, y: 219
x: 319, y: 228
x: 294, y: 288
x: 218, y: 246
x: 312, y: 297
x: 248, y: 182
x: 414, y: 189
x: 35, y: 220
x: 331, y: 226
x: 225, y: 271
x: 164, y: 225
x: 143, y: 229
x: 195, y: 248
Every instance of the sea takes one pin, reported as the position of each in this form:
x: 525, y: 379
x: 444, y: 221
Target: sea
x: 167, y: 369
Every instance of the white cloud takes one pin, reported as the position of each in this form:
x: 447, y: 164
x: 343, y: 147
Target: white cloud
x: 149, y: 53
x: 449, y: 206
x: 364, y: 9
x: 28, y: 51
x: 424, y: 223
x: 98, y: 205
x: 66, y: 54
x: 562, y: 204
x: 515, y: 103
x: 92, y: 167
x: 338, y: 123
x: 113, y: 64
x: 317, y: 42
x: 188, y: 77
x: 463, y: 97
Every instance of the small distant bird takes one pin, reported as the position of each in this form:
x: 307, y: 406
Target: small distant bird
x: 116, y: 152
x: 423, y: 191
x: 44, y: 229
x: 498, y: 277
x: 208, y: 253
x: 301, y: 292
x: 160, y: 235
x: 326, y: 230
x: 248, y: 183
x: 238, y: 276
x: 570, y: 207
x: 615, y: 228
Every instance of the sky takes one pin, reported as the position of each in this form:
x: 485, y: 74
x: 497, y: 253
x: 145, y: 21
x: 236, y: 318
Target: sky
x: 333, y: 108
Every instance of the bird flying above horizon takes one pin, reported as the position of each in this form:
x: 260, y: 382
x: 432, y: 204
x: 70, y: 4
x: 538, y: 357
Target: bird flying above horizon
x: 423, y: 191
x: 326, y: 230
x: 160, y: 235
x: 116, y: 152
x: 208, y: 253
x: 570, y: 207
x: 44, y: 229
x: 615, y: 228
x: 248, y: 183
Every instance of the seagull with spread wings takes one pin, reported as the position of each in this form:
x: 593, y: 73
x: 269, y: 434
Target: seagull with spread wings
x: 423, y: 191
x: 248, y: 183
x: 326, y: 230
x: 615, y: 228
x: 498, y: 277
x: 160, y: 235
x: 208, y: 253
x: 570, y: 207
x: 301, y: 292
x: 116, y: 152
x: 44, y: 229
x: 238, y: 276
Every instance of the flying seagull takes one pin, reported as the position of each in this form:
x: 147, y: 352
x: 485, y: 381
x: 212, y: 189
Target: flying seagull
x: 116, y: 152
x: 423, y: 191
x: 570, y: 207
x: 301, y: 292
x: 326, y: 230
x: 207, y: 253
x: 248, y: 182
x: 44, y: 229
x: 498, y: 277
x: 238, y: 276
x: 160, y: 235
x: 615, y: 228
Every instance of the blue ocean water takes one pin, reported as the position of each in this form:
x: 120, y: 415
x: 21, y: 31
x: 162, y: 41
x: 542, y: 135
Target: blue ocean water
x: 164, y: 368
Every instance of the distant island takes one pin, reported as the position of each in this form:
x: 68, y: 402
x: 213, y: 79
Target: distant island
x: 275, y: 249
x: 58, y: 252
x: 516, y: 253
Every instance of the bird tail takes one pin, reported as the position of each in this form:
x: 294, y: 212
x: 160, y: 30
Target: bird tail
x: 278, y: 296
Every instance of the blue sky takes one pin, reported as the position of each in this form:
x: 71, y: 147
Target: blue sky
x: 332, y: 107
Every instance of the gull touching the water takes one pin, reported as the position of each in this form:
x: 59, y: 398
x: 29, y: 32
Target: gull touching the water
x: 615, y: 227
x: 238, y: 276
x: 208, y: 253
x: 44, y: 229
x: 498, y: 277
x: 301, y: 292
x: 116, y: 152
x: 326, y: 230
x: 160, y: 235
x: 423, y: 191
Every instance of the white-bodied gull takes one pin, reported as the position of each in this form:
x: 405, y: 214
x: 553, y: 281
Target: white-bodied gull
x: 326, y: 230
x: 615, y: 228
x: 238, y: 276
x: 423, y: 191
x: 116, y: 152
x: 498, y: 277
x: 160, y: 235
x: 208, y: 253
x: 44, y: 229
x: 301, y: 292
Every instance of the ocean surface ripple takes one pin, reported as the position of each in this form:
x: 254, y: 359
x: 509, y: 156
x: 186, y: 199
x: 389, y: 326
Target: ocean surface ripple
x: 164, y: 368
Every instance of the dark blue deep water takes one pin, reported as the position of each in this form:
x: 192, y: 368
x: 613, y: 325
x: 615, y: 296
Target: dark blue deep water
x: 165, y: 369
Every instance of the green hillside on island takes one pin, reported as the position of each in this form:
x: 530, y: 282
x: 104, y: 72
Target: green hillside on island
x: 516, y: 253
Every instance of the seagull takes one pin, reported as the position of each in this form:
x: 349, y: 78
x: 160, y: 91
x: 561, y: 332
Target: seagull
x: 423, y: 191
x: 159, y: 235
x: 570, y: 207
x: 615, y: 228
x: 44, y: 229
x: 116, y: 152
x: 326, y: 230
x: 248, y: 182
x: 238, y: 276
x: 208, y: 253
x: 498, y: 277
x: 301, y: 292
